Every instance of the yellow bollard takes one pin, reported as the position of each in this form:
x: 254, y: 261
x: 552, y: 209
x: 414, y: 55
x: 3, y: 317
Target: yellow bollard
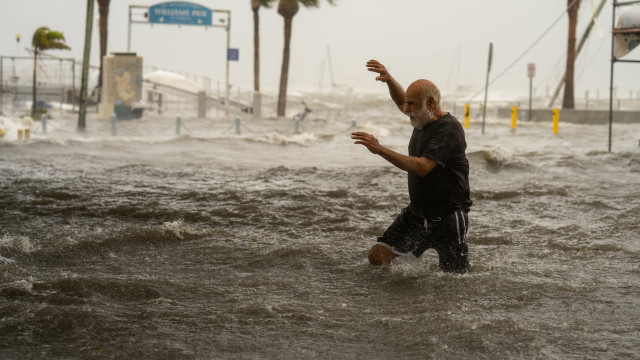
x: 27, y: 133
x: 466, y: 116
x: 20, y: 134
x: 556, y: 120
x: 514, y: 117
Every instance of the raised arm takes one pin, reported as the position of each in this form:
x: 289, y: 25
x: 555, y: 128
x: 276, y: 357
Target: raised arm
x: 395, y: 89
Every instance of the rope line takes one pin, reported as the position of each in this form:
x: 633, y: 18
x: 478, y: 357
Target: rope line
x: 231, y: 127
x: 173, y: 124
x: 182, y: 124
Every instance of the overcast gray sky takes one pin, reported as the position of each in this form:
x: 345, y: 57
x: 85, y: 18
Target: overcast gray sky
x: 444, y: 41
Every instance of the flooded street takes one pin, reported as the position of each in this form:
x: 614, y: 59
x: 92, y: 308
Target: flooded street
x: 217, y: 245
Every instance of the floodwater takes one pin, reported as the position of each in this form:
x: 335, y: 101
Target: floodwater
x: 217, y: 245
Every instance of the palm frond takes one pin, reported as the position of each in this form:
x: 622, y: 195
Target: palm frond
x: 309, y: 3
x: 44, y: 39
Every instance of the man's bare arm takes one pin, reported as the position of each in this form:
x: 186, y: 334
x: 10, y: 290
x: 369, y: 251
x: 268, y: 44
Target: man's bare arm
x: 420, y: 166
x: 395, y: 89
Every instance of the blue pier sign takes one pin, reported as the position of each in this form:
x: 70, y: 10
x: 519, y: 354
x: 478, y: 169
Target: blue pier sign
x: 180, y: 13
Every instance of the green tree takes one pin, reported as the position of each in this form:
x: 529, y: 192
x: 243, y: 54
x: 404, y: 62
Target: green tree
x: 288, y: 9
x: 44, y: 39
x: 103, y: 10
x: 255, y: 6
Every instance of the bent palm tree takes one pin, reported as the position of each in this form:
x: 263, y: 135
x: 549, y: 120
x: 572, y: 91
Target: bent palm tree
x: 44, y: 39
x: 288, y: 9
x: 255, y: 6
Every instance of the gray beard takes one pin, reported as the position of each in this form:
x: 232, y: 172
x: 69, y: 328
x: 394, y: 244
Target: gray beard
x: 421, y: 118
x: 417, y: 123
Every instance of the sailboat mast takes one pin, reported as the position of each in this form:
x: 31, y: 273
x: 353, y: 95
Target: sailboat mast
x: 333, y: 84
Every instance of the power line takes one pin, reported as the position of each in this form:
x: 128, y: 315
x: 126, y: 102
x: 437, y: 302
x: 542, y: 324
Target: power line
x: 527, y: 50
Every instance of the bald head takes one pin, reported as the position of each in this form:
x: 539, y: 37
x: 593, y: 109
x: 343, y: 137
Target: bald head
x: 423, y: 90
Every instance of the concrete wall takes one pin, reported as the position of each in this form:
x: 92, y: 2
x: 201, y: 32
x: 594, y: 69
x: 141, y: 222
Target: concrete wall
x: 121, y: 82
x: 591, y: 117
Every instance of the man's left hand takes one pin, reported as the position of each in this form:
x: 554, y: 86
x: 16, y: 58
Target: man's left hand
x: 367, y: 140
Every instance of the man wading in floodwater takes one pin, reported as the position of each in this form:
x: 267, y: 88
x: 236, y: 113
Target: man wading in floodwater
x: 436, y: 217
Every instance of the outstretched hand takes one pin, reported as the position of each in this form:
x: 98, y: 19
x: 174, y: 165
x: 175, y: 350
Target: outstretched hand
x: 376, y: 66
x: 367, y: 140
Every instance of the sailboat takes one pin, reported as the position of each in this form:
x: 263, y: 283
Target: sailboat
x: 335, y: 87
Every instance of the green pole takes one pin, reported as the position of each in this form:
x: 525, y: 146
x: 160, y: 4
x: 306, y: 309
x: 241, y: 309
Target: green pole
x: 82, y: 117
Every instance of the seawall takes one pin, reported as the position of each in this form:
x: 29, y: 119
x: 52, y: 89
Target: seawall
x: 592, y: 117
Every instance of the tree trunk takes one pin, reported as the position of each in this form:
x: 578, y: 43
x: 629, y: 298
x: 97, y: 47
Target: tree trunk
x: 103, y: 9
x: 82, y: 123
x: 256, y: 45
x: 33, y: 87
x: 284, y: 74
x: 568, y: 100
x: 288, y: 10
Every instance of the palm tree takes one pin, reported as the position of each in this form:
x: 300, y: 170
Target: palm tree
x: 255, y: 6
x: 103, y: 10
x: 288, y: 9
x: 44, y: 39
x: 568, y: 100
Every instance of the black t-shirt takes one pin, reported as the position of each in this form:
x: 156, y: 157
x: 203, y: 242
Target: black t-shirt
x: 446, y: 188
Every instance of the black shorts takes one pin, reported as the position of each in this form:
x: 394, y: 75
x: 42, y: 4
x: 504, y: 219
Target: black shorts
x: 411, y: 234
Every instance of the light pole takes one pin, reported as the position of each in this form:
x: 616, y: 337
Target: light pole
x: 15, y: 77
x: 82, y: 114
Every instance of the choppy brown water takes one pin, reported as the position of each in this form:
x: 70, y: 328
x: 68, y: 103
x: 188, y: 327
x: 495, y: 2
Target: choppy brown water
x: 223, y: 246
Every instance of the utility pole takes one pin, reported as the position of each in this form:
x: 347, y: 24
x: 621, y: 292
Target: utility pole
x: 568, y: 100
x: 584, y: 38
x: 82, y: 116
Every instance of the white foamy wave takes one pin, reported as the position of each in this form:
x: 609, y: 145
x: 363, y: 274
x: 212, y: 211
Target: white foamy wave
x: 178, y: 228
x: 276, y: 138
x: 4, y: 260
x: 19, y: 243
x: 375, y: 130
x: 9, y: 126
x: 499, y: 154
x: 20, y: 284
x: 408, y: 266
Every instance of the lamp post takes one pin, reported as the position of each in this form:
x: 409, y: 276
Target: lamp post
x: 15, y: 77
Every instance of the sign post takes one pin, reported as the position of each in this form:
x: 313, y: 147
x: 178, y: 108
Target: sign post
x: 486, y: 87
x: 531, y: 73
x: 183, y: 13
